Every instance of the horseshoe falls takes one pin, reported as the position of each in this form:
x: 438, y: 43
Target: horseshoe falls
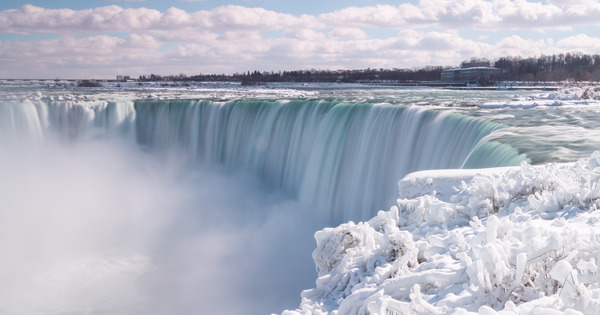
x: 341, y: 158
x: 145, y: 199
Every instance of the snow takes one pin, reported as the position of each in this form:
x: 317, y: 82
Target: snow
x: 504, y: 240
x: 569, y: 96
x: 66, y: 90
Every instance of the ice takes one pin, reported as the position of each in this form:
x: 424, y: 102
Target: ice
x: 567, y: 96
x: 561, y: 271
x: 494, y: 241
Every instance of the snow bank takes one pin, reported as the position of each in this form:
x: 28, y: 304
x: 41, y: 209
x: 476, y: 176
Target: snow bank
x: 511, y: 240
x: 65, y: 90
x: 571, y: 96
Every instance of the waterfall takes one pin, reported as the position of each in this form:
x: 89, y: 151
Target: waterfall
x: 21, y: 121
x: 68, y: 120
x: 341, y: 159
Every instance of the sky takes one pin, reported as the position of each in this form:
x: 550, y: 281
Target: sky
x: 74, y: 39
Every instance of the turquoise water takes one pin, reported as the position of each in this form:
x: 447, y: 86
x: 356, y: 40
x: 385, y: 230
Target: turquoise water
x: 341, y: 158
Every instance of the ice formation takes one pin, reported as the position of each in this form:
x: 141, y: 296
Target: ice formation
x: 505, y: 240
x: 568, y: 96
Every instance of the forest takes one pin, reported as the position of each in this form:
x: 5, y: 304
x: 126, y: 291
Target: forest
x: 555, y: 68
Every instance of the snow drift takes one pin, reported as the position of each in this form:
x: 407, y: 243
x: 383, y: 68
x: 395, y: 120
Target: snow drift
x: 511, y: 240
x: 573, y: 96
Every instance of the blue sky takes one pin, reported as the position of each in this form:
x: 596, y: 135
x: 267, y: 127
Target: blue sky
x: 103, y: 38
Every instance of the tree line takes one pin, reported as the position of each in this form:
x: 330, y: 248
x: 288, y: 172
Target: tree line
x: 429, y: 73
x: 560, y: 67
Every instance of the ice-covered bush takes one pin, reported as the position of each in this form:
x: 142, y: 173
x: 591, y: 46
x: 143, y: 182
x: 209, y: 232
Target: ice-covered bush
x: 519, y: 240
x: 577, y: 92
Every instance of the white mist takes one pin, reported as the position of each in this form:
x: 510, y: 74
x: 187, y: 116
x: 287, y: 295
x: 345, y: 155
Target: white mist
x: 101, y: 227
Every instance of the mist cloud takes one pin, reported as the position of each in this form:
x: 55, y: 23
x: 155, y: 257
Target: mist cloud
x: 101, y: 227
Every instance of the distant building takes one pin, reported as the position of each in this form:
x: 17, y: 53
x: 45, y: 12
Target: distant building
x: 123, y: 78
x: 472, y: 75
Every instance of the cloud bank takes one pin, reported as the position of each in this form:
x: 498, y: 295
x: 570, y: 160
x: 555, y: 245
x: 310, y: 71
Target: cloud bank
x: 99, y: 42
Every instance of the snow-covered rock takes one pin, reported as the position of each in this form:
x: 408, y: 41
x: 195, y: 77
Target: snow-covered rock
x: 509, y: 240
x: 568, y: 96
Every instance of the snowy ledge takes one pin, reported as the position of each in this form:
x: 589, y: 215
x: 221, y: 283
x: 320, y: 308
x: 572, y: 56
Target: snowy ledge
x: 567, y: 97
x: 506, y: 240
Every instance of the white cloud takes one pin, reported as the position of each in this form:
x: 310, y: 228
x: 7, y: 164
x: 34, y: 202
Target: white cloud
x: 421, y: 49
x: 348, y: 33
x: 462, y: 13
x: 175, y: 18
x: 480, y: 14
x: 517, y: 46
x: 522, y: 14
x: 68, y: 56
x: 437, y: 41
x: 185, y: 35
x: 232, y: 51
x: 31, y: 19
x: 447, y: 14
x: 375, y: 16
x: 235, y: 38
x: 233, y: 17
x: 580, y: 43
x: 189, y: 50
x: 304, y: 34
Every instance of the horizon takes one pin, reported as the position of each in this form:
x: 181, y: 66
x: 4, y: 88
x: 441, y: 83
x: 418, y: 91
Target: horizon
x: 166, y: 77
x: 209, y: 74
x: 100, y: 39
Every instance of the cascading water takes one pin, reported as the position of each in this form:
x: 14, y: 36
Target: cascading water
x: 69, y: 120
x: 19, y: 121
x: 342, y: 159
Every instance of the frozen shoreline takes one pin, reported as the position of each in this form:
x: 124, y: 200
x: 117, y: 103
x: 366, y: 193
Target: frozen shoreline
x: 573, y: 97
x: 517, y: 240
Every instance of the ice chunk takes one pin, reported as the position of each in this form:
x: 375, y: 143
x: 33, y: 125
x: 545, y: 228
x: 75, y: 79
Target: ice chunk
x: 561, y: 271
x: 492, y: 228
